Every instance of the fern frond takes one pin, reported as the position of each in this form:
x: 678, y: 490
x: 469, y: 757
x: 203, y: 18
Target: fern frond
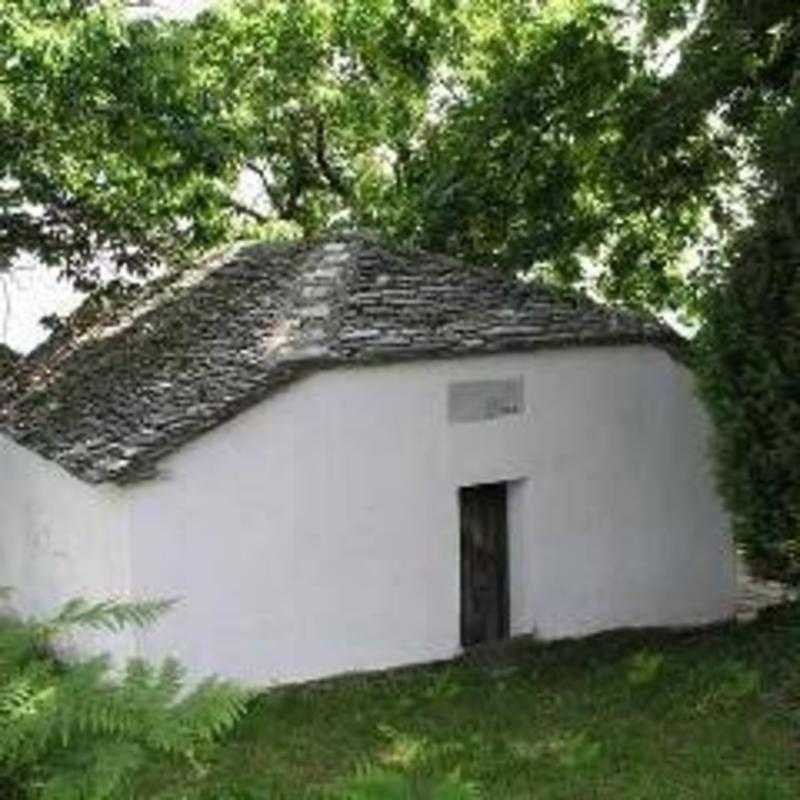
x: 77, y: 730
x: 23, y: 696
x: 18, y: 645
x: 211, y: 709
x: 111, y: 615
x: 97, y: 771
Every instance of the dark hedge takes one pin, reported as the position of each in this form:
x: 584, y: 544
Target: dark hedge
x: 748, y: 365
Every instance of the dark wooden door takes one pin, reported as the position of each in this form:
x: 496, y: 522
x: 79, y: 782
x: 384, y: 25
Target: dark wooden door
x: 484, y: 563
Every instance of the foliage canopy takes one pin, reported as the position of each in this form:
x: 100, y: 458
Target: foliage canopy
x: 517, y: 133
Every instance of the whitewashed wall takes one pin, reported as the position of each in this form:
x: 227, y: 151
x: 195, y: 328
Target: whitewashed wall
x: 59, y: 539
x: 319, y: 532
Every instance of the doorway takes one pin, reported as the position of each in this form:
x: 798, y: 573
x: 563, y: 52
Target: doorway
x: 484, y: 563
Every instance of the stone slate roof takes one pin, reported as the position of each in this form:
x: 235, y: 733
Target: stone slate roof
x: 110, y: 402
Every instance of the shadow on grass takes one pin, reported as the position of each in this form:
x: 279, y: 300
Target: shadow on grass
x: 631, y: 715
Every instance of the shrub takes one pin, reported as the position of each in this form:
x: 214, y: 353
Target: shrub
x: 74, y: 730
x: 748, y: 367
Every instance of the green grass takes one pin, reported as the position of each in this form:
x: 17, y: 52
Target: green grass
x: 712, y: 714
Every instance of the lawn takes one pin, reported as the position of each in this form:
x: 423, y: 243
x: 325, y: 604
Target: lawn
x: 713, y: 714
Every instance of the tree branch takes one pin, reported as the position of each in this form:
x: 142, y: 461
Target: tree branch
x: 333, y: 178
x: 247, y: 211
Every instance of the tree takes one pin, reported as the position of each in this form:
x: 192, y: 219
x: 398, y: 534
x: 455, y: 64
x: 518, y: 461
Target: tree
x: 326, y: 95
x: 742, y: 65
x: 517, y: 171
x: 577, y: 145
x: 748, y: 366
x: 489, y: 130
x: 103, y: 145
x: 158, y: 119
x: 517, y: 133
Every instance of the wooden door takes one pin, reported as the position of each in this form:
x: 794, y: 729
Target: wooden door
x: 484, y: 564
